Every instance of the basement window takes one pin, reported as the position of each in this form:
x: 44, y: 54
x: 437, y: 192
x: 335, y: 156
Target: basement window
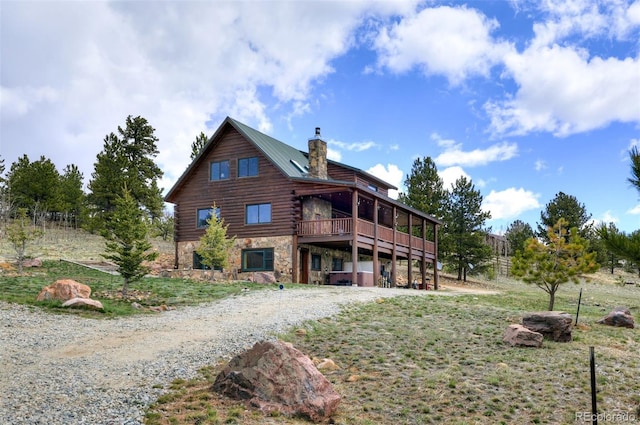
x: 254, y: 260
x: 316, y: 262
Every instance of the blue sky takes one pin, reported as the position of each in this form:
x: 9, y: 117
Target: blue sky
x: 525, y: 98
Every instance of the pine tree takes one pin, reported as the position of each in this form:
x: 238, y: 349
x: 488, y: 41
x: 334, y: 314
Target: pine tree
x: 126, y: 240
x: 198, y: 145
x: 567, y: 207
x: 72, y: 198
x: 517, y: 234
x: 425, y: 191
x: 127, y: 159
x: 548, y: 265
x: 619, y: 243
x: 463, y: 236
x: 214, y: 244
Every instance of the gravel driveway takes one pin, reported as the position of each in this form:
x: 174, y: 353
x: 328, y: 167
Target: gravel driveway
x: 62, y: 369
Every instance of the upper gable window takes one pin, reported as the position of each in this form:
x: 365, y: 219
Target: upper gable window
x: 248, y: 167
x: 373, y: 187
x: 219, y: 170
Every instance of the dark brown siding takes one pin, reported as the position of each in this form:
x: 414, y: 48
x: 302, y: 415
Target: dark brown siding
x: 337, y: 172
x: 232, y: 195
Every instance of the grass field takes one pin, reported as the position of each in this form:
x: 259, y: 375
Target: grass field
x: 441, y: 360
x: 414, y: 360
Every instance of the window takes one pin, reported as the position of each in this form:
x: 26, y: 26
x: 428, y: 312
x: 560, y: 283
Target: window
x: 219, y: 170
x: 204, y: 214
x: 257, y: 259
x: 248, y: 167
x: 258, y: 213
x: 373, y: 187
x: 336, y: 264
x: 197, y: 263
x: 316, y: 262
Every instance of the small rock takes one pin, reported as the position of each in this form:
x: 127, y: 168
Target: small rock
x: 519, y: 336
x: 620, y: 317
x: 327, y: 364
x: 87, y: 303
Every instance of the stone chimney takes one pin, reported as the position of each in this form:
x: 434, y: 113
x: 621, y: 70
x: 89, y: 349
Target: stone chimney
x: 317, y: 157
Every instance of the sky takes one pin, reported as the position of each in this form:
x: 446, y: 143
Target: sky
x: 525, y: 98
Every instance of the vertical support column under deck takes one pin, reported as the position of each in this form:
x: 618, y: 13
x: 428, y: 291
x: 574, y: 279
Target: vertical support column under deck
x: 376, y: 264
x: 425, y: 282
x: 435, y: 261
x: 410, y: 256
x: 394, y: 256
x: 294, y: 258
x: 354, y: 237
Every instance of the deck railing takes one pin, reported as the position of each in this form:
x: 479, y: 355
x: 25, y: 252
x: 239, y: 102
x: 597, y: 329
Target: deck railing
x: 344, y: 227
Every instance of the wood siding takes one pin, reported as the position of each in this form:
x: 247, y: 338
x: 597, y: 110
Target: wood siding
x: 234, y: 194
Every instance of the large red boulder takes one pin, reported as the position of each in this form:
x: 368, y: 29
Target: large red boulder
x: 64, y: 290
x: 276, y: 377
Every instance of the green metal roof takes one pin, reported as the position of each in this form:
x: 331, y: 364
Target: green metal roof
x: 283, y: 156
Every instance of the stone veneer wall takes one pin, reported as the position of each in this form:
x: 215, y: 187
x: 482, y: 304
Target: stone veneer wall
x: 281, y: 245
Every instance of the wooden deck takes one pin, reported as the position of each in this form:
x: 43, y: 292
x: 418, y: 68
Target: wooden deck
x: 367, y: 233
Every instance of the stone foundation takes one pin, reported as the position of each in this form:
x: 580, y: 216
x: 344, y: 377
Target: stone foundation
x: 281, y: 258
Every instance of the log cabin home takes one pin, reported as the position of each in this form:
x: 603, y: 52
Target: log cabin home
x: 299, y: 216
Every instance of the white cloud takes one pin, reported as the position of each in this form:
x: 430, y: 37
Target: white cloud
x: 563, y: 92
x: 450, y: 41
x: 390, y: 174
x: 450, y: 175
x: 334, y: 155
x: 509, y: 203
x: 354, y: 147
x: 634, y: 211
x: 454, y: 155
x: 540, y: 165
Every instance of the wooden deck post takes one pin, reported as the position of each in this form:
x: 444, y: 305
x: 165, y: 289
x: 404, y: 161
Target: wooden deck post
x: 394, y: 256
x: 435, y: 261
x: 376, y: 265
x: 354, y: 238
x: 425, y: 282
x: 410, y: 256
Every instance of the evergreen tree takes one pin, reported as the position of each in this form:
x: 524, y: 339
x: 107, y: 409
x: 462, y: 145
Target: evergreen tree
x: 127, y: 160
x: 463, y: 236
x: 517, y: 234
x: 126, y: 240
x: 35, y: 185
x: 548, y: 265
x: 198, y: 145
x: 619, y: 243
x: 425, y: 191
x: 214, y: 244
x: 567, y: 207
x: 72, y: 198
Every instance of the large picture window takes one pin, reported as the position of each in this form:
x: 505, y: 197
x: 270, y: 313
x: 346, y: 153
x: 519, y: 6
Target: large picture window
x: 254, y: 260
x: 258, y: 214
x: 219, y: 170
x: 204, y: 214
x: 248, y: 167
